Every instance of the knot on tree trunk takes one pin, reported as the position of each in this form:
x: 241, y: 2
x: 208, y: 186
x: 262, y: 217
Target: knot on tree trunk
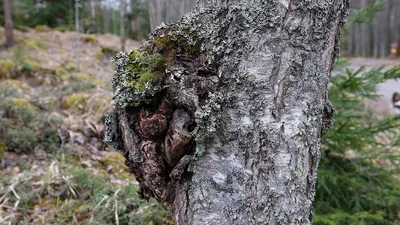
x: 158, y: 91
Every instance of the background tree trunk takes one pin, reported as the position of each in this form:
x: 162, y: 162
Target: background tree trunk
x: 155, y: 8
x: 122, y: 9
x: 352, y: 34
x: 395, y: 20
x: 384, y: 25
x: 107, y: 19
x: 168, y: 10
x: 365, y: 35
x: 8, y: 24
x: 92, y: 5
x: 257, y: 91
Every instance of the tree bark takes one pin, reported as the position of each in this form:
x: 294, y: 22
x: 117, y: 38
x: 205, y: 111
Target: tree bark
x: 230, y: 134
x: 8, y: 24
x: 122, y: 23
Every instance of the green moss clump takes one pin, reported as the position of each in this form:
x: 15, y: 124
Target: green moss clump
x: 137, y: 77
x: 82, y: 77
x: 21, y: 110
x: 3, y: 148
x: 141, y: 62
x: 144, y: 79
x: 108, y: 51
x: 34, y: 44
x: 42, y: 28
x: 176, y: 40
x: 116, y: 161
x: 18, y: 84
x: 21, y: 103
x: 7, y: 68
x: 7, y: 64
x: 139, y: 74
x: 78, y: 101
x: 89, y: 39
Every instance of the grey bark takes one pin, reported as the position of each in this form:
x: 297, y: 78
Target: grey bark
x: 122, y: 9
x: 258, y: 94
x: 8, y: 24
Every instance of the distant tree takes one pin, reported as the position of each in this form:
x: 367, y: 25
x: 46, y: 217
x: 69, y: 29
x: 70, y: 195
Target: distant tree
x: 8, y: 24
x: 106, y: 19
x: 122, y: 9
x: 168, y: 10
x: 92, y: 4
x: 138, y: 17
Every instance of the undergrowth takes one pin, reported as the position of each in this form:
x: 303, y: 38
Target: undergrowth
x: 65, y: 192
x: 358, y: 177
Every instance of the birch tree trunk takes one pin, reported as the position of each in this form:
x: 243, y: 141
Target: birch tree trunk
x: 8, y: 24
x: 224, y: 124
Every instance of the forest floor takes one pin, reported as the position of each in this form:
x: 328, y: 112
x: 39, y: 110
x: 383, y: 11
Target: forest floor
x: 54, y: 166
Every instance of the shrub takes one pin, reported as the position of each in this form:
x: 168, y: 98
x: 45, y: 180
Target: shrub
x: 22, y: 139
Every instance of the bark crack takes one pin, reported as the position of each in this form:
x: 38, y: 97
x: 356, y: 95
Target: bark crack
x: 288, y: 11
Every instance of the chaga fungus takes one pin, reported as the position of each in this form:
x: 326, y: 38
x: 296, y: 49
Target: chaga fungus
x: 157, y: 92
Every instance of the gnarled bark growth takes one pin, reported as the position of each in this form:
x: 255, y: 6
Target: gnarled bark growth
x: 221, y: 114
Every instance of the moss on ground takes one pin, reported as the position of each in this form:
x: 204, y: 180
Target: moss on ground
x: 34, y: 44
x: 7, y: 68
x: 116, y: 163
x: 89, y: 39
x: 76, y: 101
x: 82, y: 77
x: 42, y: 28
